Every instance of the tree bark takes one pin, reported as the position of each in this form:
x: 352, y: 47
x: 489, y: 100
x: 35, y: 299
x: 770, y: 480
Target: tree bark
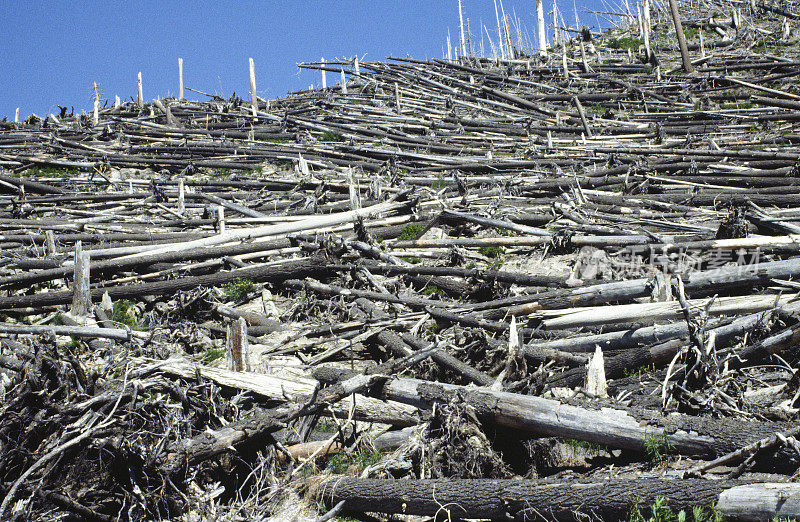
x: 761, y: 502
x: 521, y: 499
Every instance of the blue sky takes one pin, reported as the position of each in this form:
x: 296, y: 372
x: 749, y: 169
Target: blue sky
x: 52, y: 51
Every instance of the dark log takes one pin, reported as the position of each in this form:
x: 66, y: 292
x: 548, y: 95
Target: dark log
x: 567, y: 500
x: 32, y: 186
x: 273, y: 273
x: 407, y: 344
x: 188, y: 452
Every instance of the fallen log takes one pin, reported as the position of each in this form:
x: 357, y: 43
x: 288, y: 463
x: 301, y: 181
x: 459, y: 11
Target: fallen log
x: 567, y: 500
x: 762, y: 501
x: 697, y: 283
x: 87, y: 332
x: 663, y: 310
x: 274, y: 272
x: 297, y: 390
x: 705, y: 437
x: 187, y: 452
x: 408, y: 344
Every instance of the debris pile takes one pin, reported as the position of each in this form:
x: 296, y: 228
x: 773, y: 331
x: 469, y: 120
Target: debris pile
x: 538, y: 286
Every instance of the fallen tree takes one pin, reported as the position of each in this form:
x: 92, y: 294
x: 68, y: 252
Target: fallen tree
x: 567, y: 500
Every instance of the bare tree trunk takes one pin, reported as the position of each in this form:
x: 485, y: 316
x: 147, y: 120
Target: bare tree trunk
x: 676, y: 19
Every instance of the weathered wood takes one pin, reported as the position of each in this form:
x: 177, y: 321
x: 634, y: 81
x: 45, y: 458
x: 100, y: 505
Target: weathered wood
x: 568, y: 500
x: 190, y: 451
x: 87, y: 332
x: 253, y: 95
x: 139, y: 96
x: 705, y: 437
x: 277, y: 272
x: 676, y: 20
x: 81, y: 296
x: 237, y: 346
x: 180, y: 79
x: 297, y: 390
x: 407, y: 344
x: 760, y: 502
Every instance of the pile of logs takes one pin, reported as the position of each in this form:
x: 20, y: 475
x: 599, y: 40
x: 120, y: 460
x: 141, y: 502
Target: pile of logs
x: 535, y: 287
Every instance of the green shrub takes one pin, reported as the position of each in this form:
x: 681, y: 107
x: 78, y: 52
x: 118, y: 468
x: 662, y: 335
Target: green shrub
x: 657, y: 446
x: 638, y: 371
x: 411, y: 231
x: 432, y: 290
x: 625, y: 43
x: 120, y: 313
x: 497, y: 264
x: 47, y: 171
x: 331, y: 136
x: 595, y: 109
x: 661, y: 512
x: 341, y: 462
x: 740, y: 105
x: 326, y: 426
x: 440, y: 183
x: 492, y: 252
x: 238, y: 288
x: 591, y: 448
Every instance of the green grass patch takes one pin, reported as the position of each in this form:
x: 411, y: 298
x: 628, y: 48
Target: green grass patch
x: 595, y: 109
x: 440, y: 183
x: 238, y: 288
x: 212, y: 354
x: 412, y: 259
x: 331, y: 137
x: 326, y: 426
x: 636, y: 372
x: 46, y: 171
x: 766, y: 47
x: 492, y: 252
x: 433, y: 290
x: 591, y: 448
x: 411, y: 231
x: 625, y: 43
x: 735, y: 106
x: 690, y: 32
x: 661, y: 512
x: 497, y: 264
x: 121, y: 313
x: 340, y: 463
